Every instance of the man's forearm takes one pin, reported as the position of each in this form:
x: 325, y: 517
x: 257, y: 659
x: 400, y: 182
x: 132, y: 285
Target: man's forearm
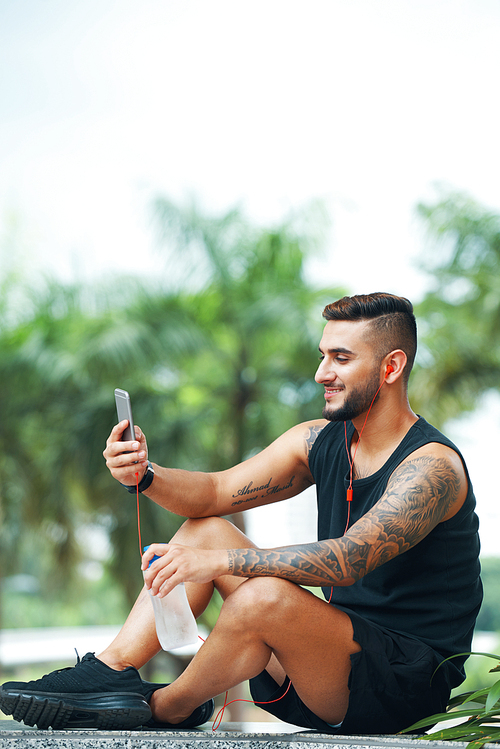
x: 190, y: 494
x: 322, y: 563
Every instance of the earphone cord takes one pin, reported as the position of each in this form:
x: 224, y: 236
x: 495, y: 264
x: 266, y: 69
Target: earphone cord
x: 220, y: 714
x: 351, y: 460
x: 351, y: 464
x: 138, y: 514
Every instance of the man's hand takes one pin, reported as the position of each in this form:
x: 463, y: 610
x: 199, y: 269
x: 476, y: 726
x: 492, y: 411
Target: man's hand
x: 125, y: 459
x: 181, y: 564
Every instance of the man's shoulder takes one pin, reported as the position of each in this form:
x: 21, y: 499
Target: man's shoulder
x: 307, y: 433
x: 311, y: 431
x: 300, y: 438
x: 448, y: 454
x: 431, y: 433
x: 434, y: 441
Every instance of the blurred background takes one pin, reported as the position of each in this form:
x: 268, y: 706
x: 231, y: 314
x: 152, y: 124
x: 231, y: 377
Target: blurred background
x: 183, y: 186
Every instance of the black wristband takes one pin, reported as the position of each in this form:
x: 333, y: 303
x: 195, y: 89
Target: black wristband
x: 144, y: 483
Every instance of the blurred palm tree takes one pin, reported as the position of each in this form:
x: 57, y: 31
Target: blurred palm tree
x: 460, y: 316
x: 218, y: 355
x: 260, y: 322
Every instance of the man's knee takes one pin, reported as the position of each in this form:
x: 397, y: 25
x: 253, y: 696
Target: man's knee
x: 204, y: 533
x: 262, y: 598
x: 264, y: 601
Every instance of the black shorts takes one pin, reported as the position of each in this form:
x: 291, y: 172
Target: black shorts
x: 390, y: 686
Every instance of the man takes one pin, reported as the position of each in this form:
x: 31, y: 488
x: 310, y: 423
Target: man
x: 397, y: 558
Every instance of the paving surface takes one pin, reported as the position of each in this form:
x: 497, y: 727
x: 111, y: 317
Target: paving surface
x: 15, y: 735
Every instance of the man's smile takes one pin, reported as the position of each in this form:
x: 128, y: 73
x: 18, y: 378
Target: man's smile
x: 330, y: 392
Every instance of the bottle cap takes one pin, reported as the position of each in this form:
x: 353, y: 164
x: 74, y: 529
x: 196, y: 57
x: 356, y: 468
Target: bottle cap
x: 156, y: 556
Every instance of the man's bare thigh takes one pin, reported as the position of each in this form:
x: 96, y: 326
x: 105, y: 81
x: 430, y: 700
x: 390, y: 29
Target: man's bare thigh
x: 311, y: 641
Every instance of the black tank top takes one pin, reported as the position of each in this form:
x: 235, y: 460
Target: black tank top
x: 433, y: 591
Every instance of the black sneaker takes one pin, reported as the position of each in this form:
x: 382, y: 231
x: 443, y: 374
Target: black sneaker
x: 197, y: 717
x: 88, y: 695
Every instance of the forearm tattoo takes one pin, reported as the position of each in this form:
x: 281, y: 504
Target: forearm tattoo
x: 418, y: 496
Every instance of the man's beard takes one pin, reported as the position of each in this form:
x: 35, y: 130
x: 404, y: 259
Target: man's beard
x: 356, y: 403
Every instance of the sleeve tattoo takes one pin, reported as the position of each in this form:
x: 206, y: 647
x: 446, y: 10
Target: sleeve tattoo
x: 418, y: 496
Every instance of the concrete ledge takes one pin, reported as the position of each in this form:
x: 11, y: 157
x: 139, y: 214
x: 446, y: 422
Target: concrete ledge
x: 228, y: 736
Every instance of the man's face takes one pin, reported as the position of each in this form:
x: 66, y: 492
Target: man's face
x: 349, y: 369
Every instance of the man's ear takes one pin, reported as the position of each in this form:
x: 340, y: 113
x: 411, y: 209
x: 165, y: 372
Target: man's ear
x: 394, y: 363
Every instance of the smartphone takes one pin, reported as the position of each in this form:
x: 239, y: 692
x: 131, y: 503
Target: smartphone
x: 124, y: 411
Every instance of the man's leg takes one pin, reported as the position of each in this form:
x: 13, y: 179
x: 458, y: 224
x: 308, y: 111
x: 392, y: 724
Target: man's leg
x: 311, y: 640
x: 94, y: 695
x: 264, y: 623
x: 136, y: 643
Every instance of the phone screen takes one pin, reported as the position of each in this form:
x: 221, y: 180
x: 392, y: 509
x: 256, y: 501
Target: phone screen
x: 124, y: 411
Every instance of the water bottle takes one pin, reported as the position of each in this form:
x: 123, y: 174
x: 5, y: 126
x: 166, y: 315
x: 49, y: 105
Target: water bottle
x: 175, y: 623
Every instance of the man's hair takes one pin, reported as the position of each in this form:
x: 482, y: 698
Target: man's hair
x: 393, y: 325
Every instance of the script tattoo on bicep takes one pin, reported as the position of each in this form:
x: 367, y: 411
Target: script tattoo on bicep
x: 418, y: 496
x: 251, y: 492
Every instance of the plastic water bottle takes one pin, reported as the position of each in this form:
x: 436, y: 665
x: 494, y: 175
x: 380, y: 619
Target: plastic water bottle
x: 175, y: 623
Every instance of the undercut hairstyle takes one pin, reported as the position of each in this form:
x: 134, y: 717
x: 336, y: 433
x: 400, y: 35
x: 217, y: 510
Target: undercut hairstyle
x: 393, y: 325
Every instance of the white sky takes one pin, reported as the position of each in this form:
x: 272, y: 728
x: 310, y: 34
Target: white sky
x: 268, y: 104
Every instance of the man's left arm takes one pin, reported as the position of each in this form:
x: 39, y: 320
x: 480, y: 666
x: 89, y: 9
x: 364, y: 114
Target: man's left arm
x: 429, y: 487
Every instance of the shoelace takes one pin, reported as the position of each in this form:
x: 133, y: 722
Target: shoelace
x: 66, y: 668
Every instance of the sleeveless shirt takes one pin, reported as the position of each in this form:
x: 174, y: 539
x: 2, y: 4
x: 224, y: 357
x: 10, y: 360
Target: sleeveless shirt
x: 431, y: 592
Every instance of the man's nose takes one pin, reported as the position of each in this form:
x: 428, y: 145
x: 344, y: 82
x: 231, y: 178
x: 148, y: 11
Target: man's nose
x: 323, y: 373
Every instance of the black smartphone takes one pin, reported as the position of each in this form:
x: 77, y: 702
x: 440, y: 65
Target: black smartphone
x: 124, y: 411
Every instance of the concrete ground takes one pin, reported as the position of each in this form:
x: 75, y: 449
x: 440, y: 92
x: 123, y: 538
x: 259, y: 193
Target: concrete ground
x: 15, y: 735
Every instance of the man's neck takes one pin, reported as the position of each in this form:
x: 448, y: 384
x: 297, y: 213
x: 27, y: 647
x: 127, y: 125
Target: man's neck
x: 384, y: 429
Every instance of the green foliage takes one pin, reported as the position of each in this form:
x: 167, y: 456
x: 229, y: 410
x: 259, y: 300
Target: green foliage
x: 489, y: 615
x: 475, y: 715
x: 478, y: 675
x: 459, y: 318
x: 460, y: 344
x: 88, y: 603
x: 217, y: 352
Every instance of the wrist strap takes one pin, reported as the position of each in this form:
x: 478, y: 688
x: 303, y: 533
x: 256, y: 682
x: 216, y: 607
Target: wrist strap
x: 144, y: 483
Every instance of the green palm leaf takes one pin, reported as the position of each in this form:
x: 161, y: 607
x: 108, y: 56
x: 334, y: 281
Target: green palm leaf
x: 481, y: 717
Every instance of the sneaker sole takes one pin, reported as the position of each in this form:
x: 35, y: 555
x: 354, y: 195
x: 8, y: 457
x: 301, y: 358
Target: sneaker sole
x: 104, y: 711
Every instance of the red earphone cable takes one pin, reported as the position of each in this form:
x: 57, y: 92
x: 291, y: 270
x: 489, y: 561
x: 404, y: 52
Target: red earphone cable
x: 220, y: 714
x: 138, y: 513
x: 351, y: 461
